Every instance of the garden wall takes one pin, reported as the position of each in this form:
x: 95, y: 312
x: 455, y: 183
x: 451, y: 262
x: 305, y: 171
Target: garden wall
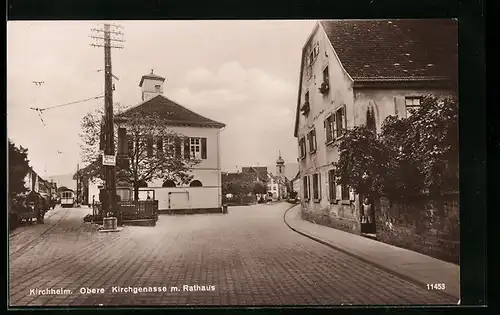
x: 429, y: 225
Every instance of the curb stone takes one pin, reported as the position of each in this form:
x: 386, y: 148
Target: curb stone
x: 379, y: 266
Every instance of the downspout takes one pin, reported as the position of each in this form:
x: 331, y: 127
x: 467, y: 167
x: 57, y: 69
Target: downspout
x: 219, y: 188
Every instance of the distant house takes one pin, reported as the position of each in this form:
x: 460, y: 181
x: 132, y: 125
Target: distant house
x: 201, y: 141
x: 295, y: 183
x: 257, y: 172
x: 358, y: 72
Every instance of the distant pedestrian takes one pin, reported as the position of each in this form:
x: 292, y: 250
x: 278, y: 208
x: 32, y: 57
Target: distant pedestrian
x: 367, y: 211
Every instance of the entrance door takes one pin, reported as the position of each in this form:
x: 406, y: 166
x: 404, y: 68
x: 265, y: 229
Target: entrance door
x: 178, y: 200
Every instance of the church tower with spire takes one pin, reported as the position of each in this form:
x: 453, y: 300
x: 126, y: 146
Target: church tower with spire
x: 280, y: 175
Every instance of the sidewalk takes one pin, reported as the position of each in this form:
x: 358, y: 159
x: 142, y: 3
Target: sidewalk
x: 407, y: 264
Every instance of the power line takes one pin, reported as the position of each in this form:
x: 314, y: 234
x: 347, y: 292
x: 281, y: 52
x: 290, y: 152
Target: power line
x: 66, y: 104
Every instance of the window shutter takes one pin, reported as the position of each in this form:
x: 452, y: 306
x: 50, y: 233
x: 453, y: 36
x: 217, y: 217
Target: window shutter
x: 159, y: 146
x: 314, y: 138
x: 344, y: 117
x: 309, y: 140
x: 319, y: 186
x: 400, y: 107
x: 150, y: 146
x: 130, y: 145
x: 187, y: 152
x: 122, y: 140
x: 178, y: 147
x: 334, y: 125
x: 204, y: 148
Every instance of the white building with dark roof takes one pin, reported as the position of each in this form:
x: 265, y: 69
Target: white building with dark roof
x: 201, y: 141
x: 357, y: 72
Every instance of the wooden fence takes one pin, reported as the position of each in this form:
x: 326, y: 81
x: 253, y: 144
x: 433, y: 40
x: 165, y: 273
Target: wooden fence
x: 131, y: 211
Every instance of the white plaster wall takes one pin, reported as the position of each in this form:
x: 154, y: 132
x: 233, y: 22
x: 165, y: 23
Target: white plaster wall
x: 340, y: 94
x: 148, y: 88
x: 387, y: 102
x: 199, y: 197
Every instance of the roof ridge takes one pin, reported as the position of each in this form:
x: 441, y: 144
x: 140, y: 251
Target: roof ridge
x: 171, y: 100
x: 137, y: 105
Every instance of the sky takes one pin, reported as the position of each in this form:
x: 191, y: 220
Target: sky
x: 241, y: 73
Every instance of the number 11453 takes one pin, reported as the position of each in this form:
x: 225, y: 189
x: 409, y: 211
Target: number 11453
x: 436, y: 286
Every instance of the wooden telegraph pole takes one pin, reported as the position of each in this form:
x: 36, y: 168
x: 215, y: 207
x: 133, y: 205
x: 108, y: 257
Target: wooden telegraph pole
x: 109, y: 148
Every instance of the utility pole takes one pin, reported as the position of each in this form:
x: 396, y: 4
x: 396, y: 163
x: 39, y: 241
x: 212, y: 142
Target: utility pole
x: 109, y: 148
x: 77, y: 184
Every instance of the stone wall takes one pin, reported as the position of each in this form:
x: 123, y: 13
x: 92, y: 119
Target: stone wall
x: 343, y: 218
x: 423, y: 224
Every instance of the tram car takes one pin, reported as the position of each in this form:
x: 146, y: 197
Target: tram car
x: 67, y: 198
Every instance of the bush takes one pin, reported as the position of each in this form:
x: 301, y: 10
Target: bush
x: 409, y: 156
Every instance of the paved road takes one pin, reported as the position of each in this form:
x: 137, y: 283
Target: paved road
x: 249, y: 255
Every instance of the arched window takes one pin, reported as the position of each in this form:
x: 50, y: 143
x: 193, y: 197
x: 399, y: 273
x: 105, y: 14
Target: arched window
x: 370, y: 120
x: 142, y: 183
x: 168, y: 183
x: 195, y: 183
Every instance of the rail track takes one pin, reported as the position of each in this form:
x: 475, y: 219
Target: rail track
x: 26, y: 247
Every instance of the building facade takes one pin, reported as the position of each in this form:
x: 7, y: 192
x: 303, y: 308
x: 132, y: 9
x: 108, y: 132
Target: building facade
x: 352, y: 70
x: 200, y: 141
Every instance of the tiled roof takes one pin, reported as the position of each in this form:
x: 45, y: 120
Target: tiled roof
x: 395, y: 49
x: 171, y: 112
x: 260, y: 170
x: 398, y: 51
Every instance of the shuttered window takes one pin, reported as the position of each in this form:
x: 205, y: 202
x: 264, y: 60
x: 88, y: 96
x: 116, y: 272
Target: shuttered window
x: 130, y: 145
x: 302, y: 147
x: 311, y: 136
x: 178, y: 147
x: 345, y: 192
x: 316, y: 187
x: 340, y: 121
x: 149, y: 147
x: 305, y: 183
x: 195, y: 148
x: 329, y: 125
x: 187, y: 148
x: 332, y: 186
x: 159, y: 146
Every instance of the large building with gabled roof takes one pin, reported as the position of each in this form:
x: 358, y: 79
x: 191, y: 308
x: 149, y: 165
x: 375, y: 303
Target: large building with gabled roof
x: 358, y: 72
x: 200, y: 141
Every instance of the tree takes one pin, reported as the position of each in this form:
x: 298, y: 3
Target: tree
x: 434, y: 134
x: 239, y: 186
x: 362, y: 161
x: 142, y: 129
x: 409, y: 156
x: 259, y: 188
x: 18, y: 168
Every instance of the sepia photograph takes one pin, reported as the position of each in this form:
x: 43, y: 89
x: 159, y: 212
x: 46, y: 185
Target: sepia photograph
x: 233, y: 163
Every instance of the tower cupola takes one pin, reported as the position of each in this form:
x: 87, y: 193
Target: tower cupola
x: 151, y: 85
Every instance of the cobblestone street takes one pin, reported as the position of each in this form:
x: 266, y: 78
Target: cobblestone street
x: 249, y: 255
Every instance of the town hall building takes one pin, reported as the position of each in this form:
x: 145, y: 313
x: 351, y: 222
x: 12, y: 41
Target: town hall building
x: 201, y: 141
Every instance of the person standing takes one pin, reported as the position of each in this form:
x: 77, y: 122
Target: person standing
x: 367, y: 211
